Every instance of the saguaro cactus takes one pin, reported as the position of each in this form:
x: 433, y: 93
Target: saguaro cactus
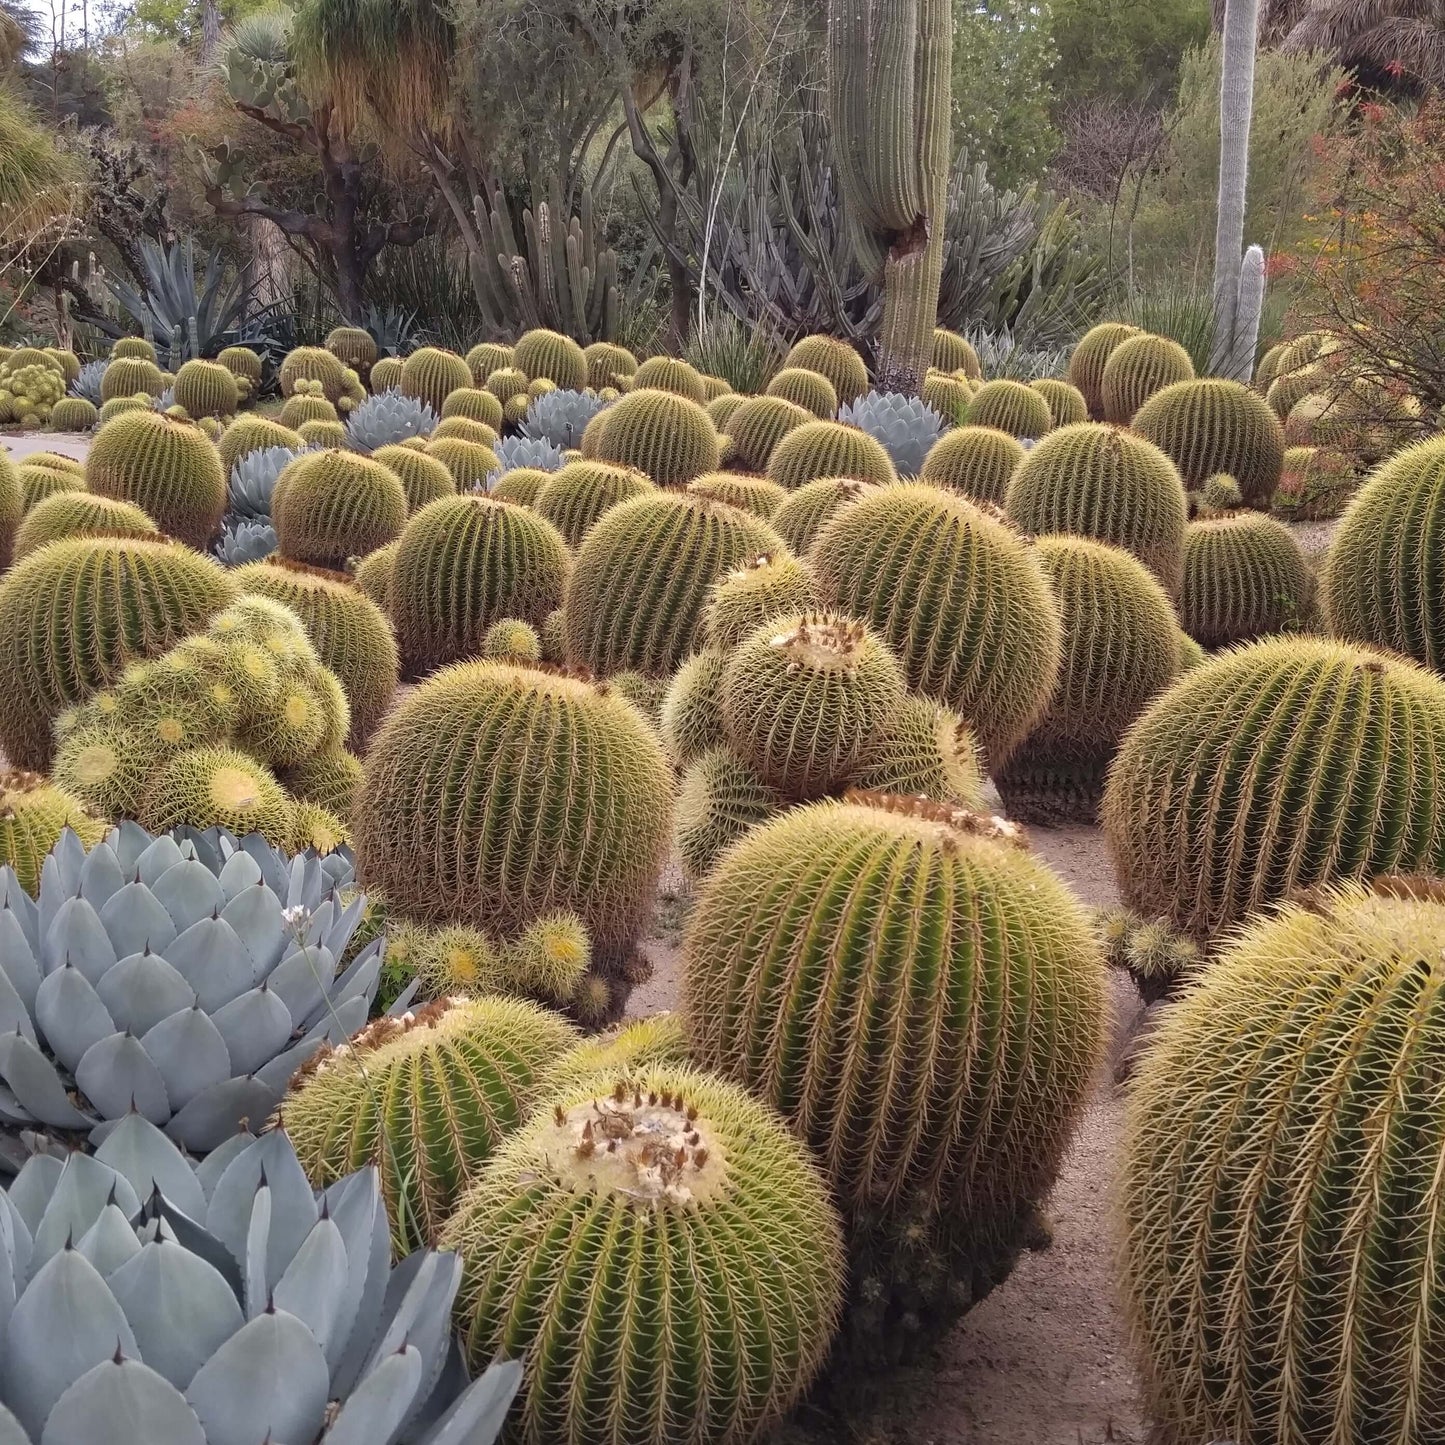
x: 889, y: 92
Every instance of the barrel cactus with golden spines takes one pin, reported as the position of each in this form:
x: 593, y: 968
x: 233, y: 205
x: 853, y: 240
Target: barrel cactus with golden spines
x: 576, y: 495
x: 922, y: 749
x: 1100, y: 482
x: 354, y: 347
x: 509, y: 640
x: 948, y: 396
x: 79, y: 514
x: 432, y: 374
x: 426, y: 1099
x: 975, y: 460
x: 36, y: 483
x: 752, y: 494
x: 33, y: 814
x: 1244, y: 577
x: 423, y: 479
x: 606, y: 360
x: 719, y: 798
x: 666, y: 436
x: 133, y: 346
x: 804, y: 512
x: 467, y: 430
x: 1011, y: 407
x: 939, y: 1125
x: 166, y: 468
x: 469, y: 463
x: 469, y: 809
x: 476, y: 404
x: 764, y: 587
x: 251, y: 433
x: 331, y: 505
x: 300, y: 409
x: 807, y: 389
x: 667, y: 1165
x: 486, y: 358
x: 1120, y: 651
x: 1089, y: 358
x: 312, y: 370
x: 668, y: 373
x: 131, y: 376
x: 206, y: 388
x: 834, y: 359
x: 1222, y: 799
x: 245, y: 367
x: 1286, y: 392
x: 12, y: 509
x: 723, y: 408
x: 1279, y: 1185
x: 326, y: 435
x: 373, y: 574
x: 828, y: 449
x: 1137, y: 368
x: 464, y: 563
x: 520, y: 484
x: 551, y: 355
x: 642, y: 576
x: 74, y: 414
x: 1067, y: 405
x: 952, y: 352
x: 217, y: 787
x: 958, y: 596
x: 691, y: 720
x: 759, y: 424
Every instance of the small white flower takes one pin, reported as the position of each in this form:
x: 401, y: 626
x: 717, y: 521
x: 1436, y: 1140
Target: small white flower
x: 295, y: 916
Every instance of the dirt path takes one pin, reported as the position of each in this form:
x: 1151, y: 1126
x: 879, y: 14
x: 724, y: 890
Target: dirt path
x: 20, y: 444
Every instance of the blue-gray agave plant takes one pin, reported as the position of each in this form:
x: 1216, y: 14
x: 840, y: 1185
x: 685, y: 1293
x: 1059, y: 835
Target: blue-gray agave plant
x: 253, y: 479
x: 242, y: 541
x: 187, y: 978
x: 905, y: 426
x: 165, y: 401
x: 560, y: 417
x: 87, y: 384
x: 144, y: 1301
x: 387, y: 418
x: 515, y: 452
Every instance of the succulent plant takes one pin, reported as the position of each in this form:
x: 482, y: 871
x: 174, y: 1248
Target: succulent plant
x: 1244, y: 577
x: 551, y: 355
x: 1220, y: 494
x: 35, y: 483
x: 722, y: 408
x: 312, y: 370
x: 120, y: 405
x: 762, y: 588
x: 834, y: 359
x: 300, y: 409
x: 605, y: 362
x: 123, y: 599
x: 520, y: 484
x: 975, y: 460
x: 804, y: 512
x: 423, y: 479
x: 33, y: 815
x: 1120, y: 650
x: 250, y: 433
x: 385, y: 374
x: 467, y: 430
x: 806, y: 388
x: 243, y: 541
x: 472, y: 466
x: 666, y: 436
x: 668, y: 373
x: 245, y: 365
x: 206, y: 388
x: 1012, y: 407
x: 1238, y: 747
x: 904, y: 426
x: 561, y: 417
x: 1265, y: 1159
x: 952, y: 352
x: 131, y: 377
x: 475, y: 404
x: 511, y: 641
x: 208, y: 787
x: 253, y: 481
x: 1214, y: 425
x: 820, y: 449
x: 490, y: 356
x: 331, y: 505
x: 464, y: 563
x: 667, y: 1165
x: 1101, y: 482
x: 86, y: 385
x: 386, y: 418
x: 432, y: 374
x: 750, y: 494
x: 690, y: 720
x: 505, y: 383
x: 56, y: 462
x: 354, y: 347
x: 921, y: 750
x: 467, y: 811
x: 916, y: 563
x: 79, y: 514
x: 290, y: 1322
x: 718, y: 800
x: 642, y: 576
x: 1137, y: 368
x: 73, y: 414
x: 758, y: 425
x: 133, y: 346
x: 166, y: 404
x: 519, y: 453
x: 328, y: 778
x: 939, y: 1125
x: 1089, y: 358
x: 577, y: 495
x: 166, y: 468
x: 949, y: 396
x: 1067, y: 406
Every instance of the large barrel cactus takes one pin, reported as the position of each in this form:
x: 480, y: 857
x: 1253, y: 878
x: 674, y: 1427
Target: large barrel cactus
x: 332, y: 505
x: 958, y: 596
x: 1230, y: 791
x: 807, y: 389
x: 669, y: 373
x: 12, y: 509
x: 1120, y: 649
x: 666, y: 436
x: 422, y: 478
x: 464, y: 563
x: 834, y: 359
x: 1099, y: 482
x: 803, y: 513
x: 924, y: 1003
x: 1244, y: 577
x: 758, y: 425
x: 79, y: 514
x: 551, y: 355
x: 714, y: 1240
x: 1281, y: 1181
x: 1137, y: 368
x: 606, y: 362
x: 1010, y: 406
x: 828, y: 449
x: 432, y: 374
x: 952, y: 352
x: 574, y: 497
x: 205, y: 388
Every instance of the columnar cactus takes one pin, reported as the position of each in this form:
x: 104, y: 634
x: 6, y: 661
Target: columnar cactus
x: 666, y: 436
x: 575, y: 497
x: 79, y: 514
x: 1244, y: 577
x: 807, y: 389
x: 432, y: 374
x: 1011, y: 407
x: 1137, y: 368
x: 939, y: 1125
x: 833, y: 359
x: 1215, y: 806
x: 332, y: 505
x: 975, y: 460
x: 828, y: 449
x: 167, y: 468
x: 917, y: 564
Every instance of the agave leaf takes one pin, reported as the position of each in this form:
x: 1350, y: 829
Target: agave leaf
x: 189, y: 1053
x: 81, y: 1193
x: 76, y: 935
x: 100, y: 876
x: 270, y: 1376
x: 189, y: 892
x: 160, y: 1219
x: 10, y: 1431
x: 128, y: 841
x: 302, y: 978
x: 337, y: 934
x: 140, y: 1153
x: 65, y: 1322
x: 33, y: 1188
x: 210, y: 1169
x: 14, y: 1015
x: 255, y: 1026
x: 283, y: 1068
x: 214, y: 961
x: 71, y: 1015
x: 257, y: 1296
x: 314, y: 1286
x: 14, y: 1261
x: 109, y: 1242
x: 293, y: 1204
x: 26, y: 908
x: 274, y: 871
x: 477, y: 1416
x: 19, y: 955
x: 159, y: 856
x: 33, y: 1080
x: 224, y: 1109
x: 403, y: 1000
x: 356, y: 1207
x: 122, y: 1399
x: 360, y: 978
x: 180, y: 1308
x: 418, y: 1309
x: 136, y: 921
x: 69, y: 856
x: 239, y: 873
x: 375, y: 1410
x: 117, y: 1075
x: 12, y: 1112
x: 141, y: 990
x: 256, y: 917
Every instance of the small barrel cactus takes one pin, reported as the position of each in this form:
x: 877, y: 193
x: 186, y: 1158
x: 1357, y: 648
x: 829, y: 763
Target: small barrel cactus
x: 79, y: 514
x: 432, y: 374
x: 385, y: 374
x: 1089, y: 358
x: 975, y: 460
x: 808, y: 389
x: 511, y: 641
x: 216, y: 787
x: 373, y: 575
x: 520, y: 484
x: 74, y: 414
x: 666, y: 436
x: 905, y: 427
x: 1137, y: 368
x: 300, y: 409
x: 606, y: 361
x: 250, y: 433
x: 472, y: 466
x: 131, y: 376
x: 354, y: 347
x: 386, y: 418
x: 1012, y: 407
x: 551, y: 355
x: 36, y: 483
x: 490, y: 356
x: 506, y: 384
x: 1244, y: 577
x: 758, y: 425
x: 834, y: 359
x: 1067, y: 405
x: 467, y: 430
x: 949, y: 396
x: 314, y: 371
x: 476, y: 404
x: 922, y: 750
x: 577, y: 495
x: 422, y: 478
x: 765, y: 587
x: 804, y: 512
x: 322, y: 435
x: 952, y: 352
x: 133, y: 346
x: 331, y: 505
x: 33, y: 815
x: 206, y: 388
x: 668, y: 373
x: 752, y: 494
x: 718, y: 800
x: 691, y: 720
x: 245, y: 366
x: 829, y: 449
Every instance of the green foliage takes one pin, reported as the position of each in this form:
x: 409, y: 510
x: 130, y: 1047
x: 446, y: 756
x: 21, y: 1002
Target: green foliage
x: 817, y: 449
x: 332, y: 505
x: 1126, y: 48
x: 1244, y: 577
x: 1218, y: 803
x: 575, y: 496
x: 667, y: 437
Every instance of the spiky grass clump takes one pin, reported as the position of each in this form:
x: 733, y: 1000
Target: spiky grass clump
x: 667, y: 437
x: 1067, y: 405
x: 833, y: 359
x: 808, y: 389
x: 922, y: 750
x: 79, y: 514
x: 642, y: 577
x: 166, y: 468
x: 1380, y: 576
x: 1089, y: 358
x: 432, y: 374
x: 719, y: 799
x: 1223, y: 797
x: 1012, y: 407
x: 33, y: 814
x: 251, y: 433
x: 469, y: 809
x: 129, y: 377
x: 805, y: 511
x: 1096, y: 481
x: 1280, y: 1180
x: 837, y: 963
x: 120, y: 600
x: 332, y: 505
x: 952, y: 352
x: 464, y: 563
x: 1137, y: 368
x: 744, y: 599
x: 828, y: 449
x: 511, y: 641
x: 1211, y: 426
x: 423, y: 479
x: 1244, y: 577
x: 426, y: 1100
x: 474, y: 403
x: 752, y: 494
x: 961, y: 600
x: 975, y: 460
x: 74, y: 414
x: 606, y: 362
x: 217, y: 787
x: 691, y: 720
x: 804, y: 695
x: 206, y: 388
x: 1120, y: 650
x: 576, y: 495
x: 668, y: 1166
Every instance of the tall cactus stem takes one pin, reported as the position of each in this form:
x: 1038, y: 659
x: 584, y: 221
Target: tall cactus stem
x: 1236, y: 107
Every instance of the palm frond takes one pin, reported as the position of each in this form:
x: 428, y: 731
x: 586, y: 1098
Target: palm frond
x: 1413, y: 48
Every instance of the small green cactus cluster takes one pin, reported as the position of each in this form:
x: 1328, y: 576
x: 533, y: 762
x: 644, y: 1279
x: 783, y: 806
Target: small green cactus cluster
x: 828, y: 449
x: 432, y: 374
x: 33, y: 815
x: 1155, y: 957
x: 836, y: 360
x: 79, y: 514
x: 939, y: 1124
x: 667, y: 437
x: 74, y: 414
x: 331, y: 505
x: 31, y: 384
x: 315, y: 372
x: 1244, y: 577
x: 807, y: 389
x: 206, y: 388
x: 575, y: 496
x: 975, y: 460
x: 1012, y: 407
x: 1315, y: 484
x: 245, y: 368
x: 1137, y: 368
x: 1089, y: 358
x: 1222, y: 798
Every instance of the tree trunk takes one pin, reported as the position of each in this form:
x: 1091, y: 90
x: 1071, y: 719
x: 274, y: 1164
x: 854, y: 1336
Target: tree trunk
x: 210, y: 30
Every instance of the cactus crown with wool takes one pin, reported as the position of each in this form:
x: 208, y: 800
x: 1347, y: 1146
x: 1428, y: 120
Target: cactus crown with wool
x: 904, y: 426
x: 1219, y: 802
x: 577, y: 495
x: 79, y: 514
x: 1245, y: 576
x: 332, y: 505
x: 1012, y: 407
x: 829, y: 449
x: 666, y: 436
x: 958, y: 596
x: 975, y: 460
x: 1137, y: 368
x: 667, y: 373
x: 758, y: 425
x: 807, y: 389
x: 387, y: 418
x: 1089, y: 358
x: 1280, y: 1178
x: 833, y: 359
x: 1101, y: 482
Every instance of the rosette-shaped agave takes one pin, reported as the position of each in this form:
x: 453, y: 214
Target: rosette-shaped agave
x: 150, y: 1301
x: 241, y: 541
x: 387, y: 418
x: 253, y: 479
x: 560, y: 417
x: 905, y: 426
x: 185, y: 977
x: 525, y: 451
x: 87, y: 384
